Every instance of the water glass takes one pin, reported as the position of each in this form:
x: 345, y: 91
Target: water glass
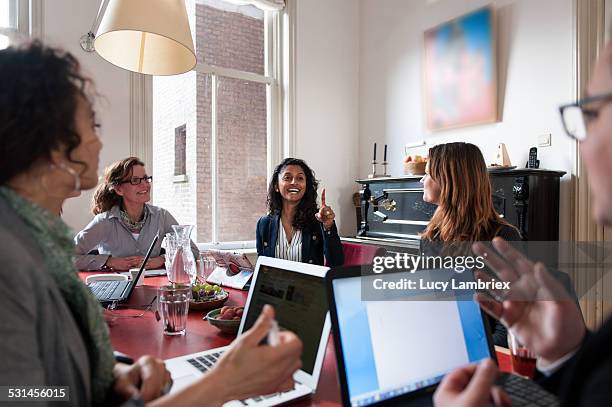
x: 173, y: 303
x: 205, y: 267
x: 523, y: 360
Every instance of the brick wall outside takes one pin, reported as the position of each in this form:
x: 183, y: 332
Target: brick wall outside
x: 233, y: 40
x: 174, y: 105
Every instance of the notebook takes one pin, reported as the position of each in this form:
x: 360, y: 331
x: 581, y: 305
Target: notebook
x: 395, y: 351
x: 119, y: 291
x: 297, y: 292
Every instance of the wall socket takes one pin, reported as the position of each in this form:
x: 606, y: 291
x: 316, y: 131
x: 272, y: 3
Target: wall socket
x: 544, y: 140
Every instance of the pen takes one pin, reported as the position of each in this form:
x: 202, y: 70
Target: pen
x: 273, y: 334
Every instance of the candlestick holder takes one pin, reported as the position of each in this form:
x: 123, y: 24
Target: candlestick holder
x: 374, y: 174
x: 384, y: 164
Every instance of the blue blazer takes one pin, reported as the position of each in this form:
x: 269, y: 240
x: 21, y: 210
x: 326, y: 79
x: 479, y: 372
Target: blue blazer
x: 317, y: 243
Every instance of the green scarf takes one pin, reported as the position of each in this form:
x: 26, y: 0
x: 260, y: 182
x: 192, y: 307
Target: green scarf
x: 52, y: 235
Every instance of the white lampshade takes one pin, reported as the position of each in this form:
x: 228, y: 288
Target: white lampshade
x: 147, y: 36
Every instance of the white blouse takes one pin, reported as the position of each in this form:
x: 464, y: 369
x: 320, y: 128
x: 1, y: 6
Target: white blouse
x: 288, y: 250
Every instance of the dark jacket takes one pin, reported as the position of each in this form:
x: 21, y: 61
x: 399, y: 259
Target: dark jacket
x: 317, y: 243
x: 586, y: 379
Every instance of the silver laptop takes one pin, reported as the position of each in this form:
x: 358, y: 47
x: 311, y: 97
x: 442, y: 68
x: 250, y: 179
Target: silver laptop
x: 297, y: 292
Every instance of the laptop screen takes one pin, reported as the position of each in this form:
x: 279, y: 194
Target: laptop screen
x: 392, y: 348
x: 300, y: 303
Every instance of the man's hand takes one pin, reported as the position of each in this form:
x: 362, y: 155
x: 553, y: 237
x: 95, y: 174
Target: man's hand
x: 537, y: 309
x: 471, y: 386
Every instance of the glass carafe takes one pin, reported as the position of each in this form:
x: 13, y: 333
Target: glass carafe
x: 183, y: 269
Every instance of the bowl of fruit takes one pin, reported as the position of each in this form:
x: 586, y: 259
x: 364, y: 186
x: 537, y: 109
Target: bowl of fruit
x: 207, y: 296
x: 227, y: 319
x: 415, y: 165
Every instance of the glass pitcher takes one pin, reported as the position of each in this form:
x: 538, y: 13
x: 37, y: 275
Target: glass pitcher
x: 183, y: 269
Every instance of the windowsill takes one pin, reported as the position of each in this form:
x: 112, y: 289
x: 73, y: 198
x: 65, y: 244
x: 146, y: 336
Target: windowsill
x: 180, y: 178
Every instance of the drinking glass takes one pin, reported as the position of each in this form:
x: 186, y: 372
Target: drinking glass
x: 523, y: 360
x: 205, y: 267
x: 173, y: 303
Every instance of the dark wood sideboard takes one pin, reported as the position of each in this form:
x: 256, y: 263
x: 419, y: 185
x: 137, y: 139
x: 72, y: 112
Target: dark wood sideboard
x: 393, y: 212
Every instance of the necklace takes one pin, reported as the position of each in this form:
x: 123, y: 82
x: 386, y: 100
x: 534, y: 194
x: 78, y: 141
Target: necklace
x: 131, y: 225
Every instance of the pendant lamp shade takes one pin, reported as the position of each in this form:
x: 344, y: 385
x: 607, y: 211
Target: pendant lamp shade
x: 147, y: 36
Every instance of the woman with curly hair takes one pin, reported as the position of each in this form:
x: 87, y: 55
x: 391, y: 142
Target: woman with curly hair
x: 53, y: 331
x: 295, y: 228
x: 125, y: 224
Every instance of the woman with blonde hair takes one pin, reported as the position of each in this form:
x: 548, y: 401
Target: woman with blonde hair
x: 125, y: 224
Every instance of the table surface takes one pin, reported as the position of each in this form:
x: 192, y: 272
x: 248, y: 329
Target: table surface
x: 143, y: 336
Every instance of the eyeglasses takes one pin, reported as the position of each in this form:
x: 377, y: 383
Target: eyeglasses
x: 137, y: 181
x: 576, y: 117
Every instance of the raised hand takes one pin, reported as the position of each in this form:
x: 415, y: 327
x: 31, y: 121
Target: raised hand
x: 325, y: 215
x: 537, y: 309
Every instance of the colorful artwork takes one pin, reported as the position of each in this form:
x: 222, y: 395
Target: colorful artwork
x: 460, y: 82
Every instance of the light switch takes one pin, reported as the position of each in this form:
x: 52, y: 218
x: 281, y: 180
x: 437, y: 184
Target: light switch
x: 544, y: 140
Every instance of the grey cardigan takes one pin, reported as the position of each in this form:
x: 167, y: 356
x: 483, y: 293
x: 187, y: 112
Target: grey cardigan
x: 109, y: 236
x: 41, y: 342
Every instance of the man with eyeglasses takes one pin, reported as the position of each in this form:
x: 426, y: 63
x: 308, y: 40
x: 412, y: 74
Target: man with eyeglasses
x: 578, y: 364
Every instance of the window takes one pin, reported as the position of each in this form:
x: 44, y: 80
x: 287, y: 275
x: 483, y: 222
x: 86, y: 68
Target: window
x: 180, y: 146
x: 14, y: 21
x: 229, y: 104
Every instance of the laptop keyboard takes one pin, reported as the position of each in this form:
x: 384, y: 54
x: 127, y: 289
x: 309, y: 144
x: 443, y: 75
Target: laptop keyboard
x: 104, y: 290
x: 525, y: 392
x: 205, y: 362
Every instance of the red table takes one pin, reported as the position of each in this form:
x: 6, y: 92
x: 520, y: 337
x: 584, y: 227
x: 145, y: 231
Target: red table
x: 143, y: 336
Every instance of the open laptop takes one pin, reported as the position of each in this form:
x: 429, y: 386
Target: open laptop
x: 119, y: 291
x: 395, y: 351
x: 297, y: 293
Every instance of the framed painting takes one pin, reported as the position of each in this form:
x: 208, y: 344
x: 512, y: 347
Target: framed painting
x: 460, y: 81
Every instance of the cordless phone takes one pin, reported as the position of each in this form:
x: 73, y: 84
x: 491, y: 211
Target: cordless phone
x: 533, y: 158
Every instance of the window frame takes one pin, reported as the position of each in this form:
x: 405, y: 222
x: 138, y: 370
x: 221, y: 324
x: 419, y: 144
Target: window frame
x: 278, y: 74
x: 20, y: 11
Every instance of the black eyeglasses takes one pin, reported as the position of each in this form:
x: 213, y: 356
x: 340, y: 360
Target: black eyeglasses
x: 137, y: 181
x: 576, y: 117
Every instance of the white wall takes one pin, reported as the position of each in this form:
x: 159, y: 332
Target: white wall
x: 327, y: 52
x: 535, y: 76
x: 64, y: 22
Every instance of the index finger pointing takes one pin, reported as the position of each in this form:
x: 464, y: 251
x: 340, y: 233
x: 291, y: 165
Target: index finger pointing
x: 323, y: 197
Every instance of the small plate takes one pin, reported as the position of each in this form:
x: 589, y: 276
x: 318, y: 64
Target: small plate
x: 215, y: 302
x: 500, y: 167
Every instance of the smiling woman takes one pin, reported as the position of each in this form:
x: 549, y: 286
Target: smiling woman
x: 125, y: 224
x: 295, y: 228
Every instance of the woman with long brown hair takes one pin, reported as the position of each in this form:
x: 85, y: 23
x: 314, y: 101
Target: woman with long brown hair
x: 457, y: 181
x: 125, y: 224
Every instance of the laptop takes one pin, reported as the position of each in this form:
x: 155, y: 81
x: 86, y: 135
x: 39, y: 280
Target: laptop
x: 119, y: 291
x: 396, y: 350
x: 297, y: 293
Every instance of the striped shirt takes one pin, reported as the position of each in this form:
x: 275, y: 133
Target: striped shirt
x: 288, y: 250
